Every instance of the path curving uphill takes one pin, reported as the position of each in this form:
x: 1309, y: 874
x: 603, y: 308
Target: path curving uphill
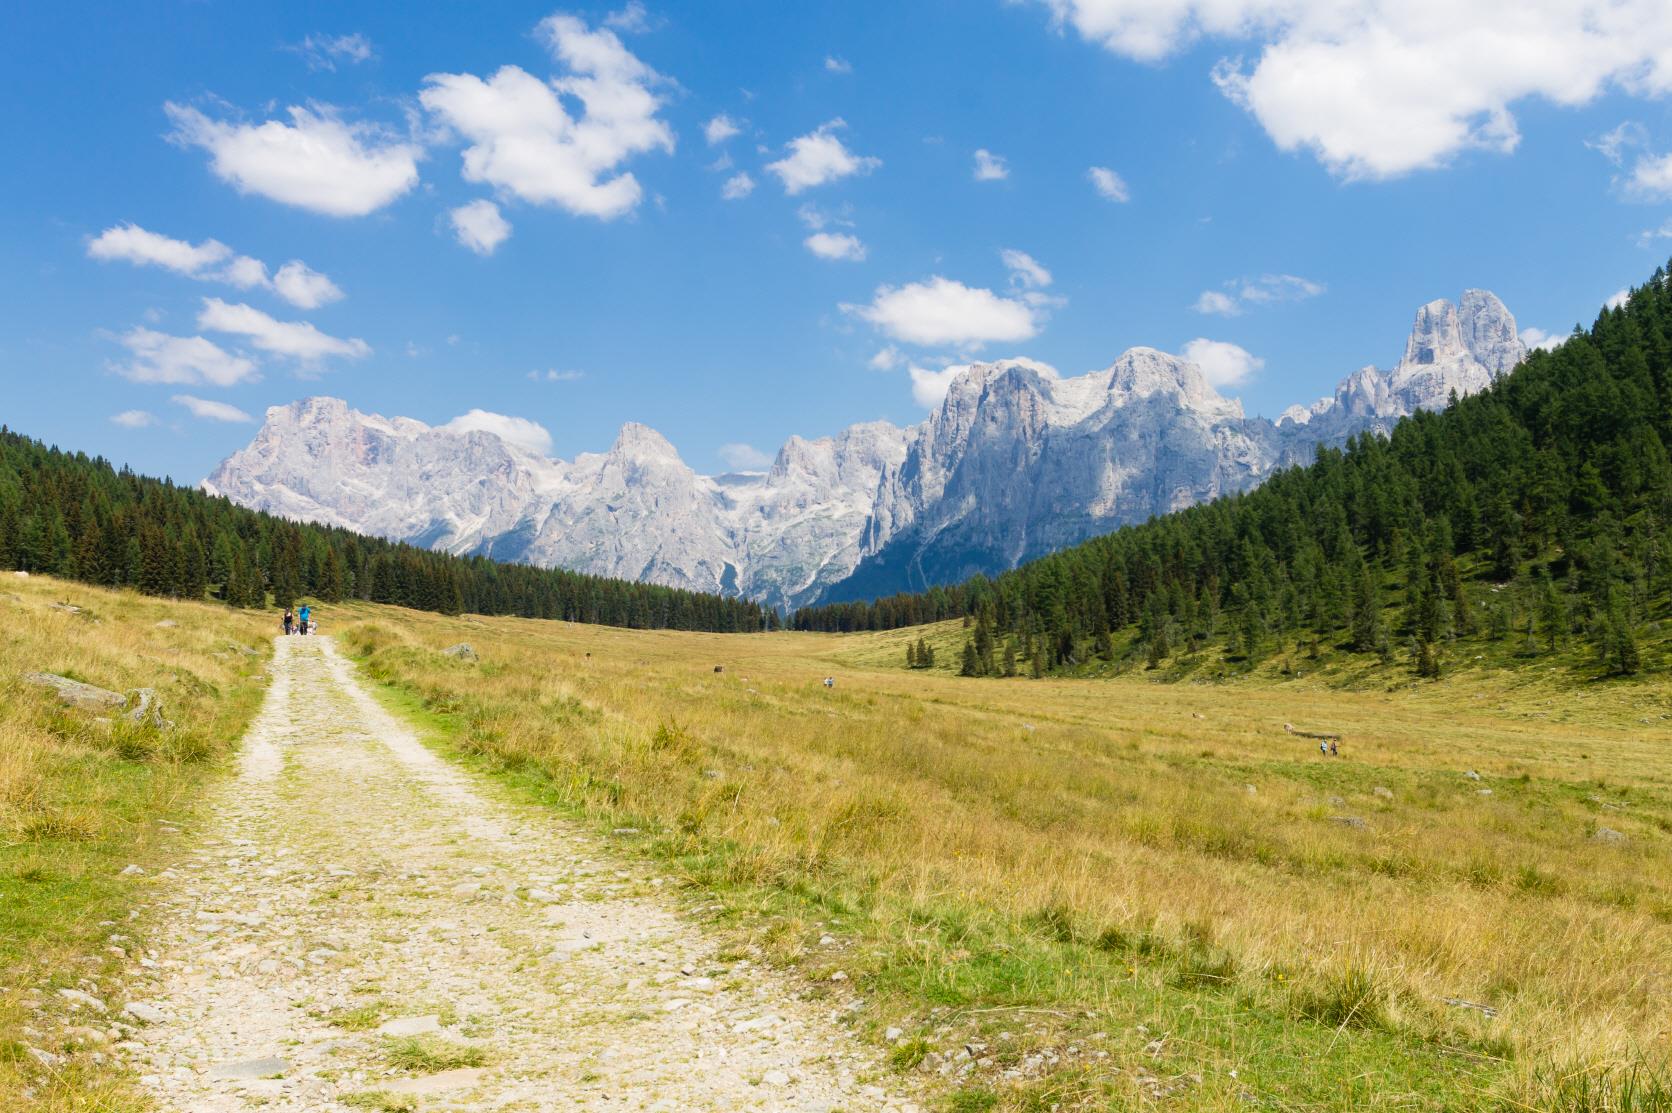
x: 366, y: 926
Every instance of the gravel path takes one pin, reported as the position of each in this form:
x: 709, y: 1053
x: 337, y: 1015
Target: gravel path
x: 368, y: 927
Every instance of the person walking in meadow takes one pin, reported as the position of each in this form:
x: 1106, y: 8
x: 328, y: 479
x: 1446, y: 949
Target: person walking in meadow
x: 289, y: 620
x: 304, y: 615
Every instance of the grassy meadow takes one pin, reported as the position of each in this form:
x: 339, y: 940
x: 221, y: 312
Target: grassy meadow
x: 82, y: 800
x: 1067, y: 894
x: 1117, y: 893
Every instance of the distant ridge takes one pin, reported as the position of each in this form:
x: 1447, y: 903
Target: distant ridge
x: 1015, y: 462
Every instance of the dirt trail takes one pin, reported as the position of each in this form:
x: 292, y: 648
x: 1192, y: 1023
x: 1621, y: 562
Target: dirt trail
x: 353, y: 887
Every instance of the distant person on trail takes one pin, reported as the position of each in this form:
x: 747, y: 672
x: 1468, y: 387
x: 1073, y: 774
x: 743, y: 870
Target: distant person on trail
x: 1333, y: 752
x: 1323, y: 748
x: 289, y: 621
x: 303, y: 615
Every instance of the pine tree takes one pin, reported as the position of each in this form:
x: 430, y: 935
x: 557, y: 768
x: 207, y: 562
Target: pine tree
x: 972, y: 661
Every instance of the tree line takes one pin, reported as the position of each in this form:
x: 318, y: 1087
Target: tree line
x: 76, y: 516
x: 1535, y: 510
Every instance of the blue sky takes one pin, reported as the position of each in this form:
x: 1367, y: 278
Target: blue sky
x: 554, y: 242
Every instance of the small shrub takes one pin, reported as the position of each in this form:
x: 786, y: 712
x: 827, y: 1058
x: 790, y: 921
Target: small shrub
x: 1346, y: 998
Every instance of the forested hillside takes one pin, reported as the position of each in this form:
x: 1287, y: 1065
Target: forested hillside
x: 1532, y: 514
x: 76, y: 516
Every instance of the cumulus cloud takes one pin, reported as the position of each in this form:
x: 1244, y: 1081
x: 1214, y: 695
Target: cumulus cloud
x: 1613, y: 144
x: 521, y: 138
x: 819, y: 157
x: 327, y: 52
x: 1378, y: 88
x: 157, y: 357
x: 316, y: 162
x: 210, y: 410
x: 517, y: 431
x: 296, y: 340
x: 941, y: 311
x: 304, y: 287
x: 738, y: 186
x: 990, y: 167
x: 1267, y: 289
x: 1651, y: 178
x: 479, y: 226
x: 833, y: 64
x: 719, y: 129
x: 1618, y: 298
x: 1222, y: 363
x: 134, y: 419
x: 212, y: 261
x: 1109, y: 185
x: 743, y: 457
x: 836, y: 245
x: 1538, y: 338
x: 886, y: 359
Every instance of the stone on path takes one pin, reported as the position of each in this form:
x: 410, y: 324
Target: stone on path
x: 250, y: 1069
x: 410, y: 1026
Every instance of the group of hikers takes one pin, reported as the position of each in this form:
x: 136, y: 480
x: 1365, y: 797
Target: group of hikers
x: 299, y: 622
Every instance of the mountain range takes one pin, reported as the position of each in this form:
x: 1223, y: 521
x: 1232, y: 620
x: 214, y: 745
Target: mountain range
x: 1015, y: 462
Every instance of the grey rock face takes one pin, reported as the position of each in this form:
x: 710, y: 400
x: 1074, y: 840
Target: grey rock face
x: 1014, y: 463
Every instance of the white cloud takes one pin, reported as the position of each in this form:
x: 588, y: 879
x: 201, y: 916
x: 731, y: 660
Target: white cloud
x: 1109, y: 185
x: 324, y: 52
x: 1379, y: 88
x: 134, y: 419
x: 990, y: 167
x: 1618, y: 299
x: 298, y: 340
x: 132, y: 244
x: 1651, y: 178
x: 819, y: 157
x: 1648, y: 236
x: 1614, y: 144
x: 553, y: 375
x: 518, y: 431
x: 521, y: 138
x: 719, y: 129
x: 633, y: 19
x: 157, y: 357
x: 213, y: 261
x: 1222, y: 363
x: 1266, y: 289
x: 1024, y: 269
x: 738, y: 186
x: 836, y: 245
x: 304, y: 287
x: 1538, y: 338
x: 1212, y: 301
x: 479, y: 226
x: 886, y: 359
x: 315, y: 162
x: 928, y: 388
x: 833, y: 64
x: 743, y: 457
x: 212, y: 411
x: 943, y: 311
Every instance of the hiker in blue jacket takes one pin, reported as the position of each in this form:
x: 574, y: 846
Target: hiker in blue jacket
x: 304, y: 614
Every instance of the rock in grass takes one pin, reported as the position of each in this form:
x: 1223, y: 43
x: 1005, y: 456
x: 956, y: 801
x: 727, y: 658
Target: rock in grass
x: 73, y: 693
x: 460, y: 652
x: 1352, y: 821
x: 1608, y: 834
x: 1383, y: 792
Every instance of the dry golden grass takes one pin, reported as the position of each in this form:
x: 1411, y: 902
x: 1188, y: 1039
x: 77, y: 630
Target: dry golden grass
x: 80, y: 799
x: 1093, y: 847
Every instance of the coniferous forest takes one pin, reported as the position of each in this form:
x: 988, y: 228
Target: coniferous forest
x: 71, y: 515
x: 1533, y: 513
